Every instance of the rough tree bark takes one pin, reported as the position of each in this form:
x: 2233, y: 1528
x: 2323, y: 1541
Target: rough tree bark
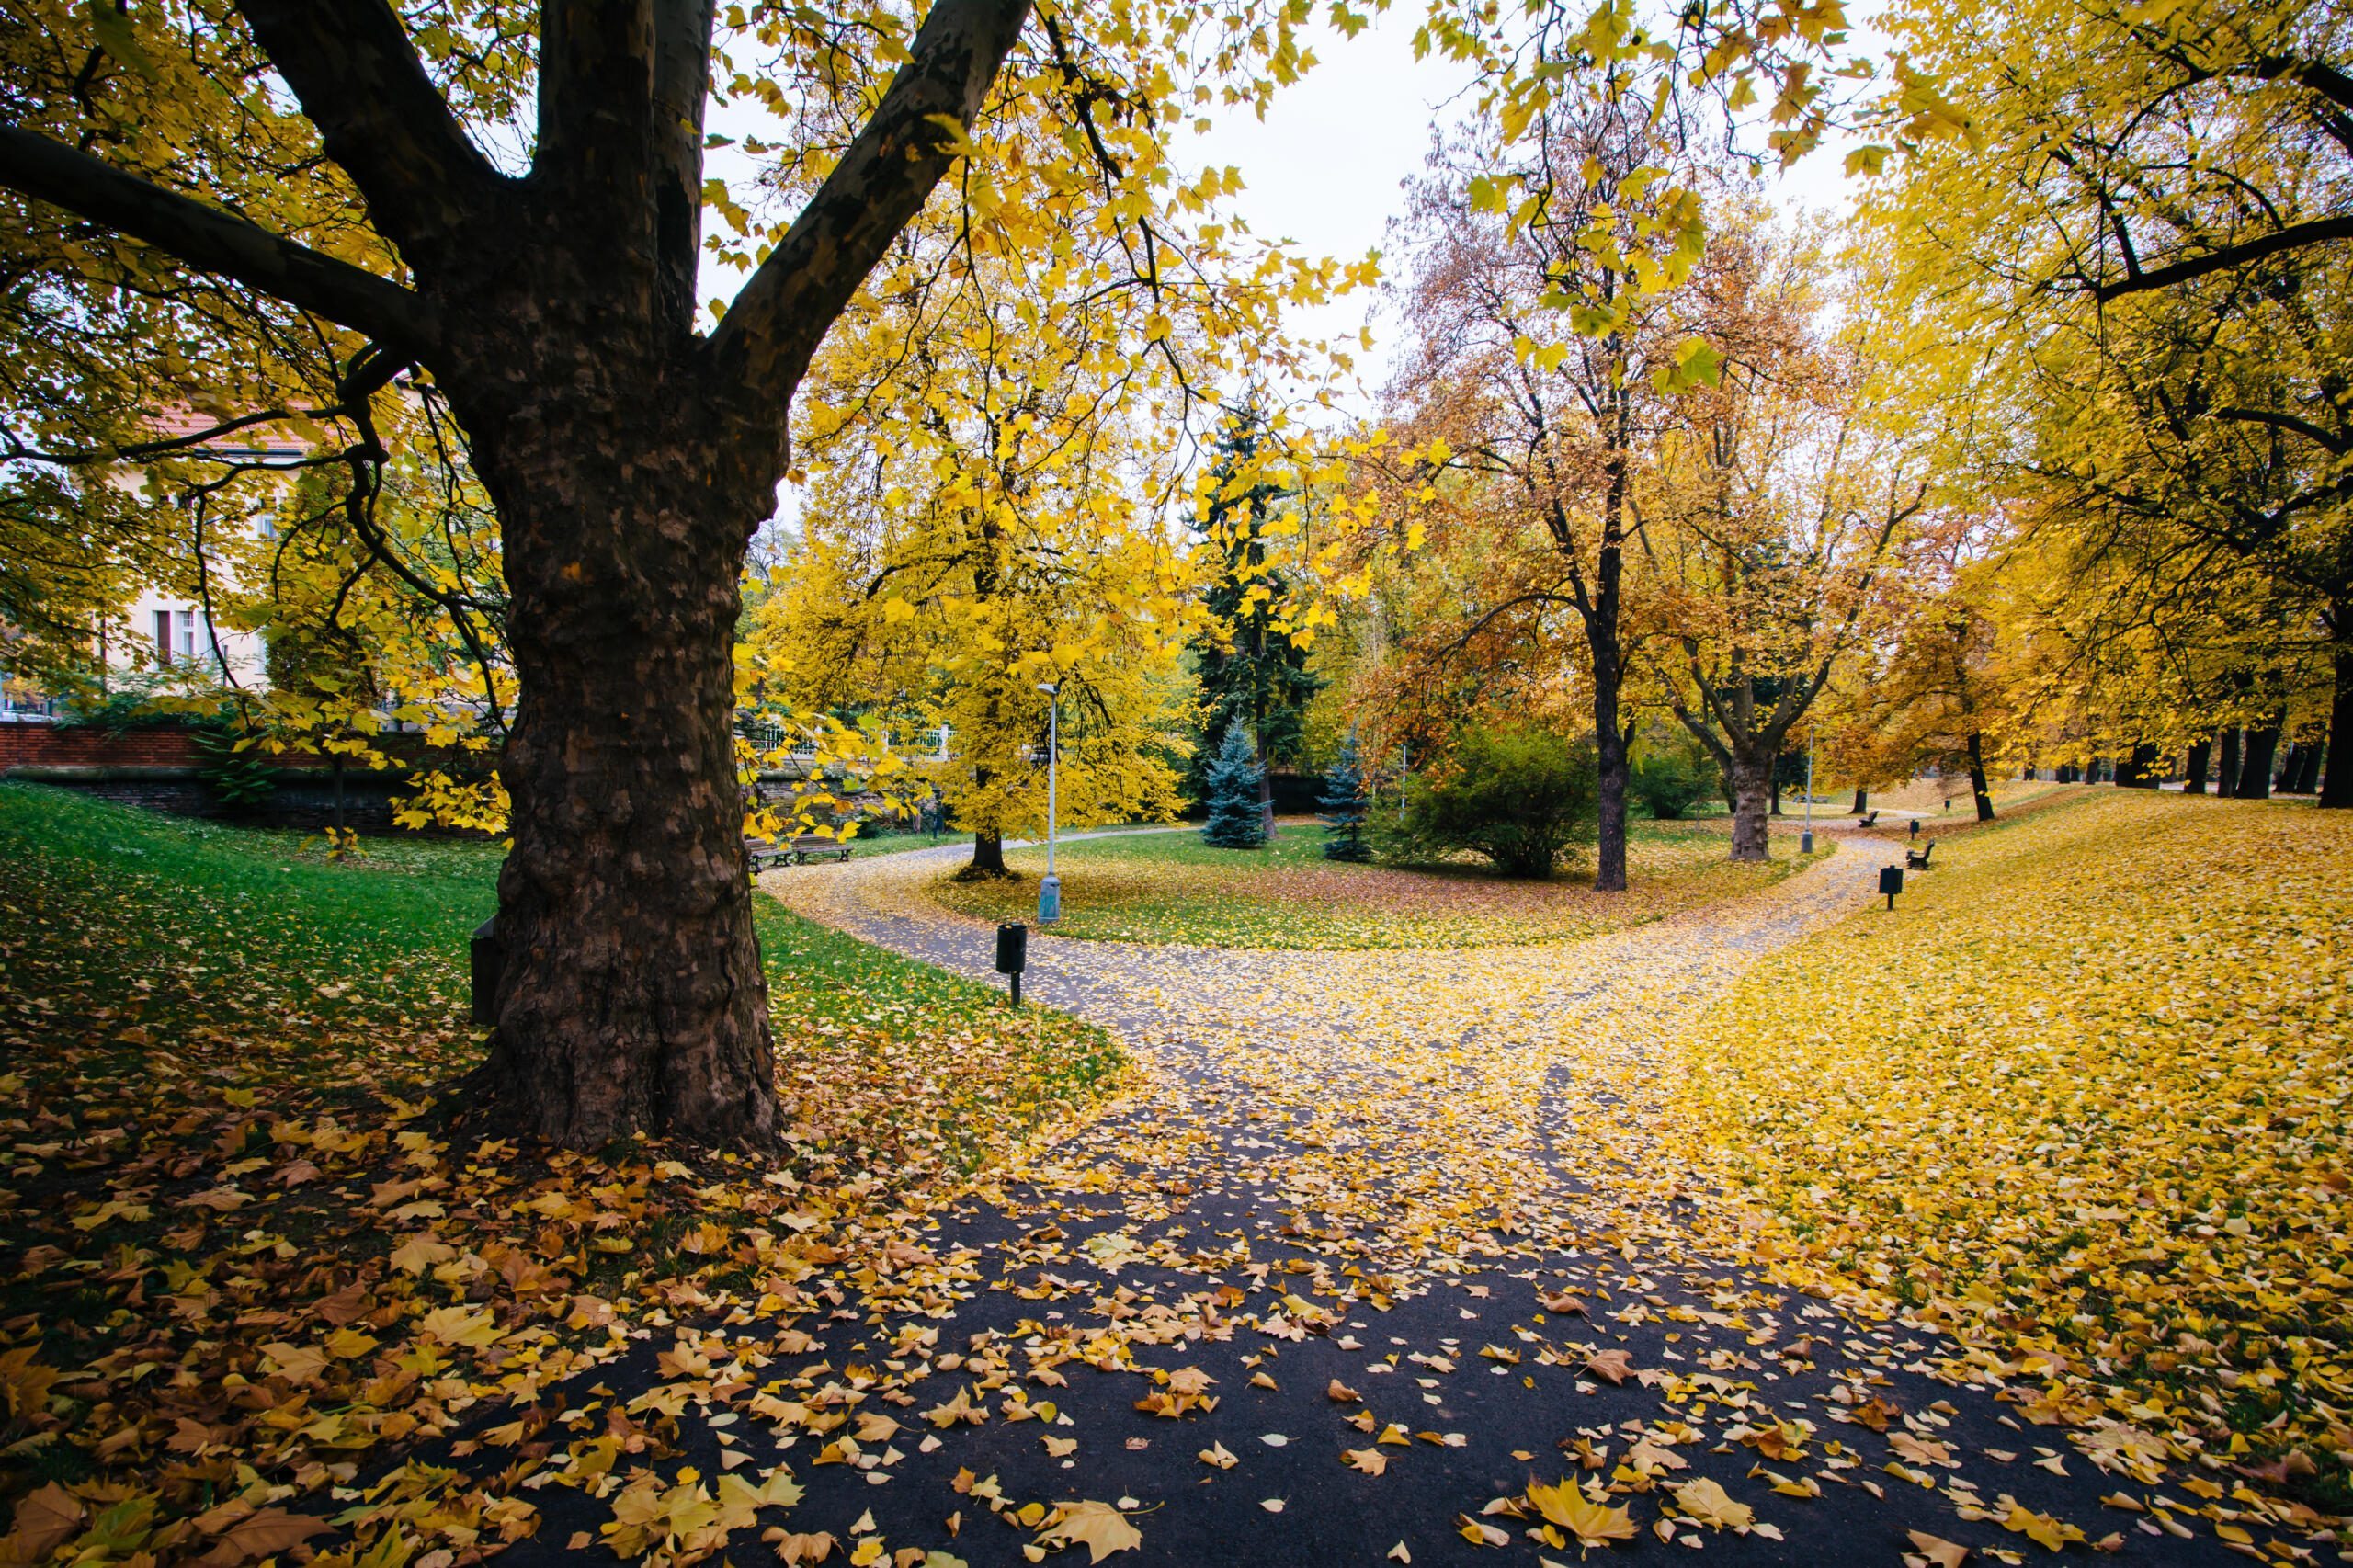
x: 1977, y: 787
x: 2196, y: 766
x: 2227, y: 783
x: 2338, y: 782
x: 2307, y: 778
x: 2255, y: 768
x: 1751, y: 835
x: 630, y: 460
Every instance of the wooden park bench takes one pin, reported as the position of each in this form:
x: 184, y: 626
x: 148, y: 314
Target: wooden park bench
x: 1917, y: 859
x: 793, y: 852
x: 1870, y: 821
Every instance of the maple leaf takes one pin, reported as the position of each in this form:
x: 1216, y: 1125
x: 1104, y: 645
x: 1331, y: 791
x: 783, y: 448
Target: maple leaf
x: 1593, y: 1524
x: 960, y: 1408
x: 1704, y: 1501
x: 1372, y: 1461
x: 1614, y: 1364
x: 1940, y: 1552
x: 1101, y: 1528
x: 261, y: 1534
x: 2053, y: 1534
x: 45, y: 1519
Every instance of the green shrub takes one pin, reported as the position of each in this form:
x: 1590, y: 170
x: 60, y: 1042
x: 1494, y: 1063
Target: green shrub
x: 1669, y: 780
x: 1519, y: 796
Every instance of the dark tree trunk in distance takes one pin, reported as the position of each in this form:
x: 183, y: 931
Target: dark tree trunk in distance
x: 2255, y: 768
x: 1776, y: 787
x: 2336, y: 783
x: 2195, y: 766
x: 1977, y: 787
x: 1862, y: 802
x: 2307, y: 770
x: 2227, y: 783
x: 2139, y: 770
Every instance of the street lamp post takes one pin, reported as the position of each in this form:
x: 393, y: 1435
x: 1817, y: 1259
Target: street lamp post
x: 1050, y: 891
x: 1805, y: 843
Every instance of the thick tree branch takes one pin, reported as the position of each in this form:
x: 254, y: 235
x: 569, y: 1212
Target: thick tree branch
x: 681, y: 85
x: 380, y: 115
x: 765, y: 342
x: 214, y: 241
x: 2295, y: 237
x: 2289, y: 422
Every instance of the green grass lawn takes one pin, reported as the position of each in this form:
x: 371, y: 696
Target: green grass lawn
x: 349, y: 976
x: 1170, y: 887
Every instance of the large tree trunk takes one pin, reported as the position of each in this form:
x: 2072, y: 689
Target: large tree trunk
x: 1611, y: 776
x: 2139, y: 770
x: 1862, y: 802
x: 630, y: 996
x: 2255, y: 769
x: 1751, y: 782
x: 2195, y: 766
x: 2226, y: 783
x: 2336, y: 785
x: 988, y: 854
x: 1977, y: 787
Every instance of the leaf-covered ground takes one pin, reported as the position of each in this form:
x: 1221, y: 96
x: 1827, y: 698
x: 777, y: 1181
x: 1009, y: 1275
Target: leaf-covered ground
x: 2083, y: 1099
x: 1432, y: 1256
x: 246, y: 1262
x: 1170, y: 887
x: 1412, y: 1253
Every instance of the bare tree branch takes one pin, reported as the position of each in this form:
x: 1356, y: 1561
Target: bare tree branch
x: 360, y: 81
x: 214, y: 241
x: 765, y: 342
x: 2295, y: 237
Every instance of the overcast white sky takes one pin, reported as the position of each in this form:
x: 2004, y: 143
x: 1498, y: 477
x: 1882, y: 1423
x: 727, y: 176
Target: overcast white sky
x: 1326, y: 167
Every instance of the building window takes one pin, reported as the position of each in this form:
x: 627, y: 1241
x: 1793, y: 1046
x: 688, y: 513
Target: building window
x: 174, y: 635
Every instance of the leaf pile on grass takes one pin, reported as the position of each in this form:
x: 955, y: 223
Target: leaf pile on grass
x: 248, y: 1265
x: 2083, y: 1099
x: 1169, y: 887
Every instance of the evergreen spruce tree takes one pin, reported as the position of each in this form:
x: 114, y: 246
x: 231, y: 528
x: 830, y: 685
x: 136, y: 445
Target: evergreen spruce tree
x: 1252, y: 675
x: 1236, y: 820
x: 1345, y: 807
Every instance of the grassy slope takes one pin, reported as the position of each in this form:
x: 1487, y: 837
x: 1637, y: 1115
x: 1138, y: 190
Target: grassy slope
x: 2085, y: 1089
x: 217, y: 1048
x: 220, y: 928
x: 1170, y: 887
